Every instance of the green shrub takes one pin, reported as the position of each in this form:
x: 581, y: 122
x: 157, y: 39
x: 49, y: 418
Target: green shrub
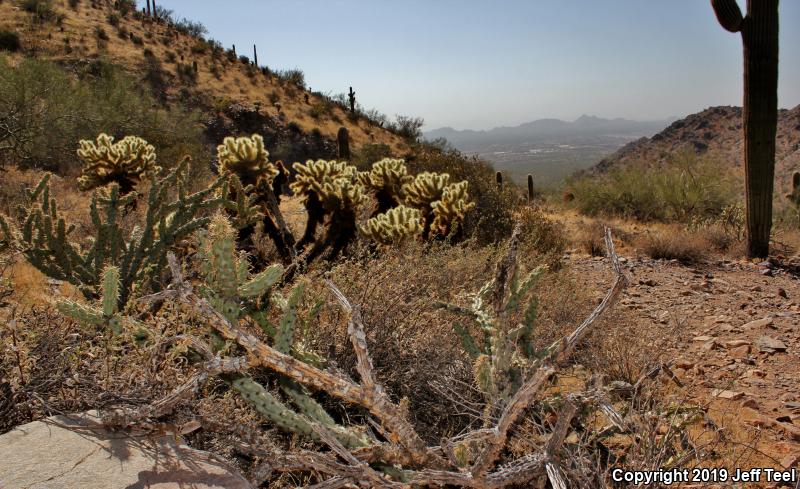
x: 369, y: 154
x: 683, y: 188
x: 55, y: 110
x: 9, y: 41
x: 113, y: 19
x: 492, y: 220
x: 42, y: 9
x: 100, y: 33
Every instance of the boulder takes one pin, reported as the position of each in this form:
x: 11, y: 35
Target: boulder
x: 77, y: 451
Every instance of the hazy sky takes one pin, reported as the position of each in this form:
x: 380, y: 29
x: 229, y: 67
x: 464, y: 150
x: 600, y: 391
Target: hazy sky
x: 484, y: 63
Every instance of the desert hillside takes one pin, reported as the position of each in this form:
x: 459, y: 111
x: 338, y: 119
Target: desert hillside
x: 184, y: 68
x: 206, y: 283
x: 716, y: 131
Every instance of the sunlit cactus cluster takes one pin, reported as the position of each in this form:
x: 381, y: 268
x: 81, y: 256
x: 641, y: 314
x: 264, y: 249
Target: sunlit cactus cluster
x: 386, y: 180
x: 124, y: 162
x: 393, y: 226
x: 246, y: 158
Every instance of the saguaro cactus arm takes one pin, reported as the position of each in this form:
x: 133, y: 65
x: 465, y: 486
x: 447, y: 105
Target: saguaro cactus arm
x: 728, y: 14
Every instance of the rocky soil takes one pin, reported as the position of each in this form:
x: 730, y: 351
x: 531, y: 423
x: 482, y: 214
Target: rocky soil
x: 731, y: 332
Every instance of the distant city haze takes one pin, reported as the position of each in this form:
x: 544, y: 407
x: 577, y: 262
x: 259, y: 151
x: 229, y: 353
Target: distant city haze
x: 481, y: 64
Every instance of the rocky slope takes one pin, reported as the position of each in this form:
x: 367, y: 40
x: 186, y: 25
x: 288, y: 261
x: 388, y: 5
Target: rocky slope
x: 716, y: 131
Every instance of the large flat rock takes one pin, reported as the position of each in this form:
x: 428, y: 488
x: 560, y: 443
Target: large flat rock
x: 76, y: 452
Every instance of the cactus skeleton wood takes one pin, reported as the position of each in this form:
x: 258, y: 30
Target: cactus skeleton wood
x: 404, y: 459
x: 759, y: 31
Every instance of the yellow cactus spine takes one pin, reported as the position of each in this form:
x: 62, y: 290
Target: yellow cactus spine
x: 394, y: 226
x: 125, y: 162
x: 450, y: 210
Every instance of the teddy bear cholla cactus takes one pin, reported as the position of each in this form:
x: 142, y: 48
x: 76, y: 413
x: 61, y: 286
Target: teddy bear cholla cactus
x: 386, y: 179
x: 125, y: 162
x: 450, y: 210
x: 256, y: 184
x: 309, y: 182
x: 394, y: 226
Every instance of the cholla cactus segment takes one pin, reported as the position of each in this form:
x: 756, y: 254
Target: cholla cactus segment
x: 246, y: 158
x: 395, y: 225
x: 388, y: 173
x: 110, y: 294
x: 450, y: 210
x: 221, y: 255
x: 312, y: 175
x: 425, y: 189
x: 341, y: 193
x: 125, y: 162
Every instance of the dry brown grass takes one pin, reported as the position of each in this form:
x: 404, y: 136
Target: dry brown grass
x: 675, y: 244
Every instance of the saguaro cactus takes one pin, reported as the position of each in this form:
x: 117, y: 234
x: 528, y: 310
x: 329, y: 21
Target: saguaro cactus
x: 352, y: 97
x: 255, y: 56
x: 499, y: 179
x: 530, y: 188
x: 343, y: 142
x: 759, y: 29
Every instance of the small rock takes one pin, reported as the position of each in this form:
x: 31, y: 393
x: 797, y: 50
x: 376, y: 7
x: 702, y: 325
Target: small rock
x: 758, y: 323
x: 750, y: 403
x: 768, y: 344
x: 726, y: 394
x: 684, y: 364
x: 703, y: 338
x: 649, y: 282
x: 782, y: 293
x: 736, y: 343
x: 790, y: 461
x: 794, y: 406
x: 739, y: 352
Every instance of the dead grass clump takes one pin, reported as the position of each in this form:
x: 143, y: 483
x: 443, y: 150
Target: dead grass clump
x: 414, y: 348
x: 541, y: 236
x: 687, y: 248
x: 589, y: 239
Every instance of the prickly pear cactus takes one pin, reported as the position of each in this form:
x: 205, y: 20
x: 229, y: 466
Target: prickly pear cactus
x: 450, y: 210
x: 125, y: 162
x: 394, y: 226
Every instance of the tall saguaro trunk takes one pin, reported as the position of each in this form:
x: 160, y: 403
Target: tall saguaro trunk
x: 759, y: 29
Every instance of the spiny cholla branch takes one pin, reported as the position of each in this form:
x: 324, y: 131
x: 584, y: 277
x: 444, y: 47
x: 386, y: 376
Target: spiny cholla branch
x: 422, y: 465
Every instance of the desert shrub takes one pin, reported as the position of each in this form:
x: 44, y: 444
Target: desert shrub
x: 674, y: 244
x: 244, y: 59
x: 9, y: 41
x: 170, y: 57
x: 273, y: 97
x: 723, y: 231
x: 200, y: 47
x: 136, y: 39
x: 541, y: 236
x: 101, y: 99
x: 73, y: 4
x: 409, y: 128
x: 492, y: 219
x: 186, y: 73
x: 683, y: 188
x: 42, y: 9
x: 100, y: 34
x: 190, y: 27
x: 317, y: 110
x: 124, y: 7
x: 113, y: 19
x: 369, y: 154
x: 294, y: 77
x: 123, y: 33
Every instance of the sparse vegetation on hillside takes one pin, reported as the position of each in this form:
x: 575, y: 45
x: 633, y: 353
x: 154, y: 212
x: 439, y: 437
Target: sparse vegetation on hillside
x: 685, y: 188
x: 47, y: 109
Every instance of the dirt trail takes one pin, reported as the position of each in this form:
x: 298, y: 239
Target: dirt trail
x: 732, y: 331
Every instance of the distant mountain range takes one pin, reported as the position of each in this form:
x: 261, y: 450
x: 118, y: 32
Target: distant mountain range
x: 586, y: 126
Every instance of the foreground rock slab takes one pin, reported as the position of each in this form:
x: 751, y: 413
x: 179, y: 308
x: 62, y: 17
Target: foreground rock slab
x: 75, y: 451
